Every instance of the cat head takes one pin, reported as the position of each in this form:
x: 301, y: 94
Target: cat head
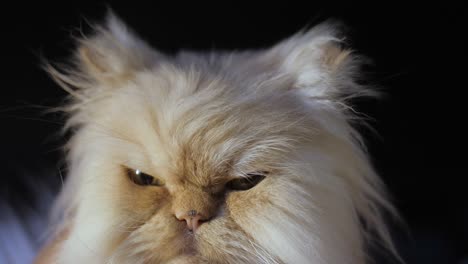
x: 221, y: 157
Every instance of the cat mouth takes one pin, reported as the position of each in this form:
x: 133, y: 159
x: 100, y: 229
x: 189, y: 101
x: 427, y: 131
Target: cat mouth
x: 189, y: 246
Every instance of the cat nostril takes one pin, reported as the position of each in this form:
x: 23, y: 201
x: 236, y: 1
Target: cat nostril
x: 193, y: 222
x: 192, y: 218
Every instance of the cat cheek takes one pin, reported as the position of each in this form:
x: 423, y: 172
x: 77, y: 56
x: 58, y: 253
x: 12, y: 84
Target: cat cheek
x: 242, y: 204
x: 140, y: 204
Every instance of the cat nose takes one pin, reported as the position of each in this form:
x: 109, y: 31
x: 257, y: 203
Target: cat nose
x: 193, y: 218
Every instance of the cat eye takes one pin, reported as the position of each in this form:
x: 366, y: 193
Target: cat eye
x: 143, y: 179
x: 246, y: 183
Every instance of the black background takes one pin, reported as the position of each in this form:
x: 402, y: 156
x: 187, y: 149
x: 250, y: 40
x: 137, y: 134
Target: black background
x: 419, y: 54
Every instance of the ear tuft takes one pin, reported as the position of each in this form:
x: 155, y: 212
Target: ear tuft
x: 333, y: 56
x: 111, y: 55
x: 320, y: 65
x: 114, y: 52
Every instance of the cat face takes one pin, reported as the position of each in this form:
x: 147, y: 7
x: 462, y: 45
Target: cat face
x: 220, y: 158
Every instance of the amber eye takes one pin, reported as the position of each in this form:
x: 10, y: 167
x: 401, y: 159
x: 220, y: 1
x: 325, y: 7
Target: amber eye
x: 143, y: 179
x: 245, y: 183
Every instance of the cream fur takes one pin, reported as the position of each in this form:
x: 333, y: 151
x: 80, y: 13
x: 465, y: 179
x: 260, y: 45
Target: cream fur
x: 198, y: 120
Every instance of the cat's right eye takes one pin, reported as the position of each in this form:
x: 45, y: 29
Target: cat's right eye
x: 248, y: 182
x: 143, y: 179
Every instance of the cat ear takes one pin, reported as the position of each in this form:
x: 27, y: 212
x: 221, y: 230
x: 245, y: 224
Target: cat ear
x: 318, y: 63
x: 114, y: 53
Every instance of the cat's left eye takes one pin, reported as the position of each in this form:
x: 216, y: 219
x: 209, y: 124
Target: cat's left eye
x: 246, y: 183
x: 143, y: 179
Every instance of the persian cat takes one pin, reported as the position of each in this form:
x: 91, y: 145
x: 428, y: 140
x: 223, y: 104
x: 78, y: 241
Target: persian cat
x: 219, y: 157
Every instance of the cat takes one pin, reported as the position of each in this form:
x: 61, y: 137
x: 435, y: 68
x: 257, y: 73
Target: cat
x: 220, y: 157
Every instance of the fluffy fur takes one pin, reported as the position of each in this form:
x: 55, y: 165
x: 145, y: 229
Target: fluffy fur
x: 199, y: 120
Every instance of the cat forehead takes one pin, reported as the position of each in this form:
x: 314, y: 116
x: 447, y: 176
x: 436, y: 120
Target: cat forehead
x: 205, y: 126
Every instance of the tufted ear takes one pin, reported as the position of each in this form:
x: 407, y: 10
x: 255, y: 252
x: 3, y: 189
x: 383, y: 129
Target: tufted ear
x: 318, y: 63
x: 114, y: 52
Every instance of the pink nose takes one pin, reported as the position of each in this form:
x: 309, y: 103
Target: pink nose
x: 193, y: 219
